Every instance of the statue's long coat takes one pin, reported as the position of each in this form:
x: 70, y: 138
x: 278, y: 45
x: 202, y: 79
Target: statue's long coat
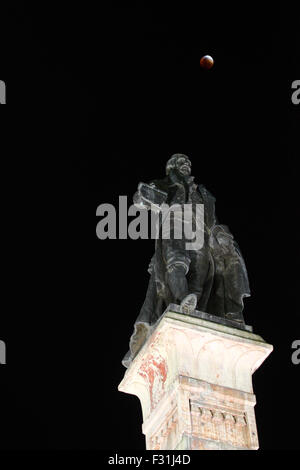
x: 226, y: 283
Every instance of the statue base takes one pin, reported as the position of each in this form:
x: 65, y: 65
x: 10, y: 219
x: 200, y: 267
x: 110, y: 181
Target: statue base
x: 193, y: 377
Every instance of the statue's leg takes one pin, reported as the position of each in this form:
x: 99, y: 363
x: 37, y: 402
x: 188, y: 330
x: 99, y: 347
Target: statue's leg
x: 198, y: 272
x: 177, y: 281
x: 177, y: 260
x: 177, y: 265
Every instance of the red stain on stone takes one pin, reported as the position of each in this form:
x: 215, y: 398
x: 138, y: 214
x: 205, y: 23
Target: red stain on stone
x: 154, y: 368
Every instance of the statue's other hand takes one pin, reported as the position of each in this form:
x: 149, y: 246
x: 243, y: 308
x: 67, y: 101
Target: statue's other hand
x: 138, y: 201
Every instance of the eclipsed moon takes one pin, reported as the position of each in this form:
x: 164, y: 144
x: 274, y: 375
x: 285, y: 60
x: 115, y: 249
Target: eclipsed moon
x: 206, y: 62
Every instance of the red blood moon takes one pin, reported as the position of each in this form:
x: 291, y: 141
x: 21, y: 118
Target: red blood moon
x: 206, y: 62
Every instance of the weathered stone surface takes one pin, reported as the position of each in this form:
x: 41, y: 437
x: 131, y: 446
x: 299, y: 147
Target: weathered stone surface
x: 194, y: 380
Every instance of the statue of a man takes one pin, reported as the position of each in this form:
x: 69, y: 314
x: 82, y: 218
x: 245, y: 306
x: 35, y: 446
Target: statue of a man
x: 211, y: 279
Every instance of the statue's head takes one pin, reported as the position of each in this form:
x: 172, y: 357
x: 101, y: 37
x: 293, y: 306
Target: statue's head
x: 179, y: 162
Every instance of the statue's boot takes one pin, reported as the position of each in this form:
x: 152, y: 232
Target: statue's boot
x: 236, y: 316
x: 188, y: 304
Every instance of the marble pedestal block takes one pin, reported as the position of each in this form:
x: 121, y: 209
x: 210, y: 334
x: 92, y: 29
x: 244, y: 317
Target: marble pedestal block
x: 193, y: 377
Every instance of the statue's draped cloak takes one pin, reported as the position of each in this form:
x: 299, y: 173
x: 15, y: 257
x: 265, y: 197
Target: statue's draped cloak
x: 226, y: 282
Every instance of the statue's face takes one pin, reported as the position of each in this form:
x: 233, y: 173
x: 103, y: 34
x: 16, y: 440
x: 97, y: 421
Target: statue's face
x: 184, y: 166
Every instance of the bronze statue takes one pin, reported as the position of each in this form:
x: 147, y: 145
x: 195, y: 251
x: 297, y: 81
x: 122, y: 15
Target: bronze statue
x: 211, y: 279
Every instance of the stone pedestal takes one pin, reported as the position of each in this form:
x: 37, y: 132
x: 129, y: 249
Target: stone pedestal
x: 193, y: 377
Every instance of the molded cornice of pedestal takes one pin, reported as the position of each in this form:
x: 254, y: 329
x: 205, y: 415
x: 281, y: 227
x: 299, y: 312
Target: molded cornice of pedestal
x: 193, y: 347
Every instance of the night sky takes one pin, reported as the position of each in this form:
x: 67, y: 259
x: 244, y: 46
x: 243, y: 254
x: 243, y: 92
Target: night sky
x: 97, y: 101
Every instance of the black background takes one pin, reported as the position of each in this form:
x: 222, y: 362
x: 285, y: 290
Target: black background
x: 98, y: 100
